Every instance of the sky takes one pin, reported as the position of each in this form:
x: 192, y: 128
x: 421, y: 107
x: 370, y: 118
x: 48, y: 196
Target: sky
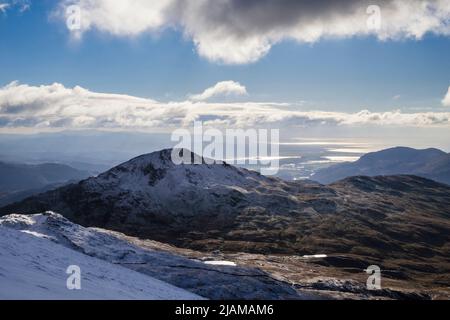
x: 145, y: 65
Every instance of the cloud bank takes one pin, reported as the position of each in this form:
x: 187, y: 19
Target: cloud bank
x: 57, y: 107
x: 223, y: 88
x: 446, y: 100
x: 243, y: 31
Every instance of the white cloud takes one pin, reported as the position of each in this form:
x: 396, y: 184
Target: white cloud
x: 3, y: 7
x: 220, y: 89
x: 446, y: 100
x: 22, y: 5
x: 236, y: 31
x: 57, y: 107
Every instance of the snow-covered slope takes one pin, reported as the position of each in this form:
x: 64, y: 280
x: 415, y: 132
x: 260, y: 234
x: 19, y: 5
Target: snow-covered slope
x: 154, y: 180
x: 36, y: 250
x: 33, y: 266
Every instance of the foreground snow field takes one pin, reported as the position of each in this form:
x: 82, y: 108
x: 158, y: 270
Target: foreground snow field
x: 34, y: 267
x: 35, y: 251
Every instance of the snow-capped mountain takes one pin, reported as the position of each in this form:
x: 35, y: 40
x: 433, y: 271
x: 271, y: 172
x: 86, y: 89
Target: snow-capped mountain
x: 37, y: 249
x: 150, y: 196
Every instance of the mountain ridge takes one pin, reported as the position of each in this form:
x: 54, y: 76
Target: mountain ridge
x: 429, y: 163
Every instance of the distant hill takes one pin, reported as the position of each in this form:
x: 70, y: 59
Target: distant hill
x: 16, y: 177
x: 428, y: 163
x: 12, y: 197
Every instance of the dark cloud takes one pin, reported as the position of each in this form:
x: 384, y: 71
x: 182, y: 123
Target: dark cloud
x: 242, y: 31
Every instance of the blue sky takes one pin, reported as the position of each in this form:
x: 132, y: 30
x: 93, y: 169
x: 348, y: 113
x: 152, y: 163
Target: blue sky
x: 334, y: 74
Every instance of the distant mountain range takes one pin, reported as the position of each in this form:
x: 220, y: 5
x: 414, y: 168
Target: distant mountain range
x: 401, y: 222
x: 18, y: 181
x: 19, y: 177
x: 428, y: 163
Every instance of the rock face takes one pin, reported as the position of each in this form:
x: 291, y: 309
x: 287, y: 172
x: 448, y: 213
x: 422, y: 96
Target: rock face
x: 428, y: 163
x: 401, y: 223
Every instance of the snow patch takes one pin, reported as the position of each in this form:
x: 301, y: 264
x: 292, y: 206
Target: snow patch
x: 318, y: 256
x: 36, y: 234
x: 221, y: 263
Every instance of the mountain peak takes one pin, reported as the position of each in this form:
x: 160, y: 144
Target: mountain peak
x: 157, y: 168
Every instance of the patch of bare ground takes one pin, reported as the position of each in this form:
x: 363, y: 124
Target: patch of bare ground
x: 312, y: 275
